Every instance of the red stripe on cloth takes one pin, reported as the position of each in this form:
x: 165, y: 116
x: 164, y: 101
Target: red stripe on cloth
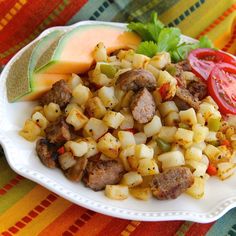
x: 30, y: 216
x: 164, y: 228
x: 12, y: 183
x: 30, y: 29
x: 231, y: 41
x: 199, y: 229
x: 5, y: 6
x: 24, y: 24
x: 115, y: 227
x: 218, y: 20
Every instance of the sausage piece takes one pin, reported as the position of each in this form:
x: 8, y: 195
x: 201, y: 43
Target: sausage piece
x: 100, y: 173
x: 58, y: 131
x: 47, y: 152
x: 136, y: 79
x: 198, y: 89
x: 171, y: 183
x: 60, y: 94
x: 143, y: 106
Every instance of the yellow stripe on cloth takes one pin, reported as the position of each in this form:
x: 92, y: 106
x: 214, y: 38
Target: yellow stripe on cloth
x: 33, y: 213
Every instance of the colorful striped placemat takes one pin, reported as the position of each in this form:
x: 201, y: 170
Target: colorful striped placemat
x: 27, y: 208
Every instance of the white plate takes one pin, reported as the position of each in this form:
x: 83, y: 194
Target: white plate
x: 219, y: 197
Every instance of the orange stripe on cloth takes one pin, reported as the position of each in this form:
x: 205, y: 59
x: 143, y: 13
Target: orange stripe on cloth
x: 13, y: 182
x: 35, y: 210
x: 69, y: 217
x: 218, y: 20
x: 165, y: 228
x: 5, y: 6
x: 130, y: 228
x: 11, y: 13
x: 200, y: 229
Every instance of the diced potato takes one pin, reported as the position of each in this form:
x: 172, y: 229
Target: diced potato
x: 95, y: 108
x: 74, y: 80
x: 139, y: 60
x: 200, y: 119
x: 71, y: 106
x: 76, y: 118
x: 197, y: 189
x: 124, y: 161
x: 100, y: 52
x: 128, y: 122
x: 140, y: 138
x: 99, y: 79
x: 211, y: 101
x: 171, y: 159
x: 199, y: 133
x: 207, y: 110
x: 92, y: 147
x: 113, y: 119
x: 95, y: 128
x: 172, y: 119
x: 165, y: 77
x: 167, y: 133
x: 30, y: 131
x: 40, y: 120
x: 125, y: 64
x: 212, y: 152
x: 160, y: 60
x: 109, y: 145
x: 128, y: 151
x: 211, y: 137
x: 198, y: 168
x: 133, y: 162
x: 147, y: 167
x: 81, y: 94
x: 52, y: 111
x: 143, y: 151
x: 152, y: 69
x: 188, y: 76
x: 193, y: 153
x: 225, y: 170
x: 157, y: 96
x: 77, y: 148
x: 119, y: 94
x: 205, y: 160
x: 131, y: 179
x: 141, y: 193
x: 200, y: 145
x: 184, y: 137
x: 38, y: 109
x: 156, y: 148
x: 126, y: 138
x: 153, y: 127
x: 103, y: 157
x: 126, y: 100
x: 107, y: 95
x: 167, y: 107
x: 66, y: 160
x: 117, y: 192
x: 188, y: 116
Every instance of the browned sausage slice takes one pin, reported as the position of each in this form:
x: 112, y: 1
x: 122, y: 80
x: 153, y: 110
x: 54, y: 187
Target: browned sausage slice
x: 100, y: 173
x: 136, y: 79
x: 171, y: 183
x: 143, y: 106
x: 60, y: 94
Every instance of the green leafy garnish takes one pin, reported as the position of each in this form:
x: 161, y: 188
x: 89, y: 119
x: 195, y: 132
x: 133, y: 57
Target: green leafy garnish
x: 157, y: 38
x: 147, y: 48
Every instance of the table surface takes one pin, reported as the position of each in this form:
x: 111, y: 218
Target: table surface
x: 27, y: 208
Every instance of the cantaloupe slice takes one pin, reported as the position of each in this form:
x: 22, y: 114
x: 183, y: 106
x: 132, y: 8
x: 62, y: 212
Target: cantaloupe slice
x: 73, y: 53
x: 22, y: 83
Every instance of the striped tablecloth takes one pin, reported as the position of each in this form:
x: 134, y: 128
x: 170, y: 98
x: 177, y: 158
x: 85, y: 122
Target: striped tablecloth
x: 27, y: 208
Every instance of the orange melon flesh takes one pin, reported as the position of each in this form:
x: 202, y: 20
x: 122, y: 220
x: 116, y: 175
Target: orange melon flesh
x: 42, y: 83
x: 74, y: 53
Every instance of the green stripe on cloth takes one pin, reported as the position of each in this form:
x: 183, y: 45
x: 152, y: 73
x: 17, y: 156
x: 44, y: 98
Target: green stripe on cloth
x: 141, y: 9
x: 225, y: 226
x: 15, y: 194
x: 99, y: 10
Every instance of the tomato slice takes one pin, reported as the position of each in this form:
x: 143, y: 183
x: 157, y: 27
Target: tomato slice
x: 203, y: 60
x: 222, y: 87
